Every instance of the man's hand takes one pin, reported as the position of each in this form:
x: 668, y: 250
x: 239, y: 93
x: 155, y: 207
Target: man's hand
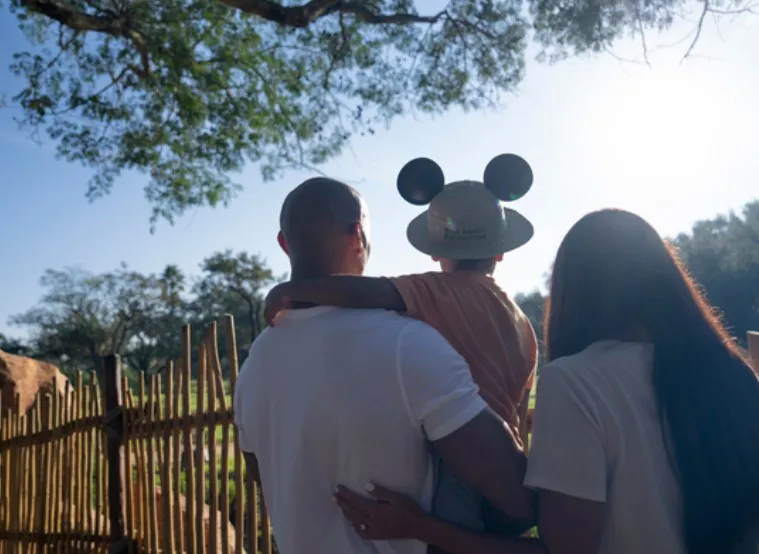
x: 276, y: 301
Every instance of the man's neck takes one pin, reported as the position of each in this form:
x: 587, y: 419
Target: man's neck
x: 304, y: 274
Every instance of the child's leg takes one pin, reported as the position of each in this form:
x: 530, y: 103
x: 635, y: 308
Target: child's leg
x: 454, y: 502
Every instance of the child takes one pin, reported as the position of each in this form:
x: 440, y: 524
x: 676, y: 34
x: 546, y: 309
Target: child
x: 467, y: 231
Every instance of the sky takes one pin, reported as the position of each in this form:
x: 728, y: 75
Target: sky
x: 673, y: 140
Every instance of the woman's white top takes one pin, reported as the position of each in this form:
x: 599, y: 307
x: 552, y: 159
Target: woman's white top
x: 597, y: 436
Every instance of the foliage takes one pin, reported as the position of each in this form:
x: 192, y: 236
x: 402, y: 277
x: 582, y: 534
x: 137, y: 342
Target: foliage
x: 722, y: 254
x: 233, y: 283
x: 532, y: 306
x: 187, y: 91
x: 83, y: 316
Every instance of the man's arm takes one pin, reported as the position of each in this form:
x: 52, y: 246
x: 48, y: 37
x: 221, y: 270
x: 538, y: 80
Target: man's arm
x: 486, y: 456
x: 473, y: 442
x: 345, y: 291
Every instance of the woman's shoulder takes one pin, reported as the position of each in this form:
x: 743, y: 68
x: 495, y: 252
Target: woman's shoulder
x: 601, y: 365
x: 600, y: 354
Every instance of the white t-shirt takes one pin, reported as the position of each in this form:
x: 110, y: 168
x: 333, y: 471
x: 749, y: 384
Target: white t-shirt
x: 597, y: 436
x: 333, y: 396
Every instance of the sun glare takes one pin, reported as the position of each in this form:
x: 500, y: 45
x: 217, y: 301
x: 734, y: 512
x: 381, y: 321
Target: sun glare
x: 666, y: 135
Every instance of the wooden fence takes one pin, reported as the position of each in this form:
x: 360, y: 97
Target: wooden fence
x: 111, y: 469
x: 157, y: 469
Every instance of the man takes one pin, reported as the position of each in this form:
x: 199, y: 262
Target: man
x: 336, y: 396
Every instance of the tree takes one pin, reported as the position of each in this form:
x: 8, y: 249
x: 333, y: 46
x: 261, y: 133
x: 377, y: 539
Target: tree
x: 83, y: 316
x: 722, y: 254
x: 188, y: 91
x: 14, y: 346
x: 233, y: 283
x: 532, y: 305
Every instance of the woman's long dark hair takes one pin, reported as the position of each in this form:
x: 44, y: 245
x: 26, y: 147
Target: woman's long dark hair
x: 615, y: 278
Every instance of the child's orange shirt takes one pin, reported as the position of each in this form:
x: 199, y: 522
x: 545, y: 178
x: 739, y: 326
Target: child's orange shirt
x: 483, y: 324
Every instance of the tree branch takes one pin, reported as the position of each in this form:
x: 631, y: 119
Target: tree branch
x: 79, y: 21
x: 303, y: 16
x: 699, y: 28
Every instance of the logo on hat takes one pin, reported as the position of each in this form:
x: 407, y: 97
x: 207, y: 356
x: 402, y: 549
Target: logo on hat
x: 465, y: 219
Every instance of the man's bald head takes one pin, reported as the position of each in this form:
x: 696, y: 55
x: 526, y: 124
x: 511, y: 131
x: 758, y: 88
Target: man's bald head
x: 324, y: 224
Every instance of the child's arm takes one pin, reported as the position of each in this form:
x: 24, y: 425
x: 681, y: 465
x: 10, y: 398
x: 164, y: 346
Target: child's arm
x: 345, y: 291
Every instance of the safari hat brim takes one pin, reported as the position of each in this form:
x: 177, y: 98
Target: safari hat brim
x: 517, y: 232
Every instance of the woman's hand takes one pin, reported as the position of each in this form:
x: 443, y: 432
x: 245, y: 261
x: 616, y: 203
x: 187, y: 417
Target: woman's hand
x: 275, y: 302
x: 389, y: 515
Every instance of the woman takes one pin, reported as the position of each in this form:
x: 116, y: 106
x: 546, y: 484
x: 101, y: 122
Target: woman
x: 646, y: 432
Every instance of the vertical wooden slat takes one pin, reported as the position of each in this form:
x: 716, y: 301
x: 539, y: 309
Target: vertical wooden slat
x: 42, y: 453
x: 96, y: 465
x: 231, y: 342
x: 188, y: 455
x: 43, y: 401
x: 49, y: 499
x: 23, y: 482
x: 167, y: 487
x: 57, y: 490
x: 30, y: 468
x: 79, y: 473
x: 89, y: 474
x: 138, y: 481
x: 143, y: 464
x: 177, y: 469
x: 27, y: 476
x: 3, y: 481
x: 15, y: 463
x: 265, y: 527
x: 66, y: 481
x: 150, y: 443
x: 129, y: 522
x: 200, y: 478
x: 215, y: 363
x: 113, y: 401
x: 213, y: 475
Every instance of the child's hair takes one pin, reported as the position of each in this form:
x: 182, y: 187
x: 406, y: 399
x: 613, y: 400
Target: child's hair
x: 484, y: 265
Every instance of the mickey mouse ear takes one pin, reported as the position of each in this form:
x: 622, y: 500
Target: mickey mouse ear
x: 508, y: 176
x: 420, y: 180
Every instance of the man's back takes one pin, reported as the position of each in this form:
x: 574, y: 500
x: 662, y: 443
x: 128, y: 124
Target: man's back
x: 335, y: 396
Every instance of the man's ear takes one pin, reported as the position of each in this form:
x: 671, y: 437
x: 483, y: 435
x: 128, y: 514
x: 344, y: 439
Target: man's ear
x: 283, y: 243
x: 358, y: 238
x: 499, y: 258
x: 436, y: 259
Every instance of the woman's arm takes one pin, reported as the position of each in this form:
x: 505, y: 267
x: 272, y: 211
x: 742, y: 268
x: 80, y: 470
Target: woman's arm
x: 390, y: 515
x: 345, y: 291
x: 568, y: 525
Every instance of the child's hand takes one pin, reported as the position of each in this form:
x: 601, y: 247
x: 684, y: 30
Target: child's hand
x: 275, y: 302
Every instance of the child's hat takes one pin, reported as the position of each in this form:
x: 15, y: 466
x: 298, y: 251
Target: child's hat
x: 465, y: 219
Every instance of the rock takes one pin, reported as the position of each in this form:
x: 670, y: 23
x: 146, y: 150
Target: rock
x: 27, y: 377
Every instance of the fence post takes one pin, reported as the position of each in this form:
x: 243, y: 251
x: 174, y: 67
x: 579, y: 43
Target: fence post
x: 113, y: 425
x: 753, y: 348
